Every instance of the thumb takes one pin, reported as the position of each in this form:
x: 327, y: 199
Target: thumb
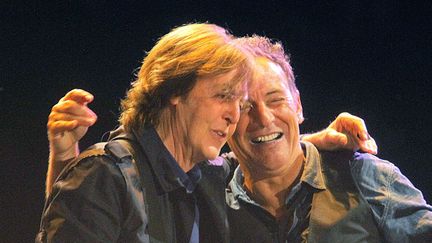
x: 78, y: 133
x: 337, y: 139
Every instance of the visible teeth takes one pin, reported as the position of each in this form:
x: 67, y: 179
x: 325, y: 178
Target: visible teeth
x: 220, y: 133
x: 267, y: 138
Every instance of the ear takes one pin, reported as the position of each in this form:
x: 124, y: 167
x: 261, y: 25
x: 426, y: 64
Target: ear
x: 175, y: 100
x: 299, y: 108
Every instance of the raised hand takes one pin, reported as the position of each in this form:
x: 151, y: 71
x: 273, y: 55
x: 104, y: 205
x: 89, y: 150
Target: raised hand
x: 68, y: 122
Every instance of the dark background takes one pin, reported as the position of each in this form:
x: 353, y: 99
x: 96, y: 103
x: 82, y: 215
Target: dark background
x: 370, y: 58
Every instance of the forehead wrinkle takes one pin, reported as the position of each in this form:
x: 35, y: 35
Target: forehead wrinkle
x: 222, y: 85
x: 236, y: 84
x: 270, y: 76
x: 274, y: 91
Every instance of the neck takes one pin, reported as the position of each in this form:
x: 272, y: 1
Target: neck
x: 271, y: 191
x: 166, y: 130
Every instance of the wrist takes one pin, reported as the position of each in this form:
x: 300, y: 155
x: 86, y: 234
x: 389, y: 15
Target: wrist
x: 66, y: 155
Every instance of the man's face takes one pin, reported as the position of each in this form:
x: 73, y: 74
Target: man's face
x: 208, y: 116
x: 267, y: 135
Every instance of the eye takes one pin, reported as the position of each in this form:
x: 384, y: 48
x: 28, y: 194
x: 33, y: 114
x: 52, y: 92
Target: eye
x: 222, y: 96
x: 277, y: 101
x: 226, y: 96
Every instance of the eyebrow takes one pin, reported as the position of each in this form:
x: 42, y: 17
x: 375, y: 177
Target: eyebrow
x: 229, y: 89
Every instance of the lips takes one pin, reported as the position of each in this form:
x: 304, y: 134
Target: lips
x: 267, y: 138
x: 220, y: 133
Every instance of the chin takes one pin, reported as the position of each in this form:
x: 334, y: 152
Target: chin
x: 212, y: 153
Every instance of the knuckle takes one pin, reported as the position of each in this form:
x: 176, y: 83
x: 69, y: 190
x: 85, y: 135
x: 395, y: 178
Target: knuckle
x: 66, y: 105
x: 53, y: 127
x: 56, y: 106
x: 73, y: 92
x: 345, y: 115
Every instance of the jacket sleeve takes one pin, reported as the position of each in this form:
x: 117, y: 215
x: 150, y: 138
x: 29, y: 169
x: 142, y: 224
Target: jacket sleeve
x: 401, y: 211
x: 86, y: 204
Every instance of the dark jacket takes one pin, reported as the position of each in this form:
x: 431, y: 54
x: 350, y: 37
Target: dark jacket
x: 125, y: 191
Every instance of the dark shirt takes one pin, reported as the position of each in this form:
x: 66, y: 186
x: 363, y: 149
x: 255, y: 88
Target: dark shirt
x: 186, y: 212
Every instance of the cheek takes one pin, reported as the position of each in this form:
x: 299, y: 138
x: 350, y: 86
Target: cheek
x: 287, y: 115
x: 232, y: 130
x: 243, y: 123
x: 239, y: 138
x: 200, y: 116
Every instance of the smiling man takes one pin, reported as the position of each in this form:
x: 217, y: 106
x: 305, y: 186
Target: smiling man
x: 288, y: 191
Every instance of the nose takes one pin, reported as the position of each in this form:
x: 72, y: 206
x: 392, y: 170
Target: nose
x: 262, y: 115
x: 232, y: 112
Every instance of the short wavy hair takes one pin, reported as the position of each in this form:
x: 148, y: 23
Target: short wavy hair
x: 174, y: 64
x: 261, y: 46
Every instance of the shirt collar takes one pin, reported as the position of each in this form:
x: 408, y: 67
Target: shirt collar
x: 188, y: 180
x: 312, y: 175
x: 236, y: 191
x: 312, y: 172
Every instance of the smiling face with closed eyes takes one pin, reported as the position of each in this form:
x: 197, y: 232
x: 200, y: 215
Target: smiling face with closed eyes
x: 267, y: 136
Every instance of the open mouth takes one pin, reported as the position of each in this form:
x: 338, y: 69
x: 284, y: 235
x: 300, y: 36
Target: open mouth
x: 267, y: 138
x: 220, y: 133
